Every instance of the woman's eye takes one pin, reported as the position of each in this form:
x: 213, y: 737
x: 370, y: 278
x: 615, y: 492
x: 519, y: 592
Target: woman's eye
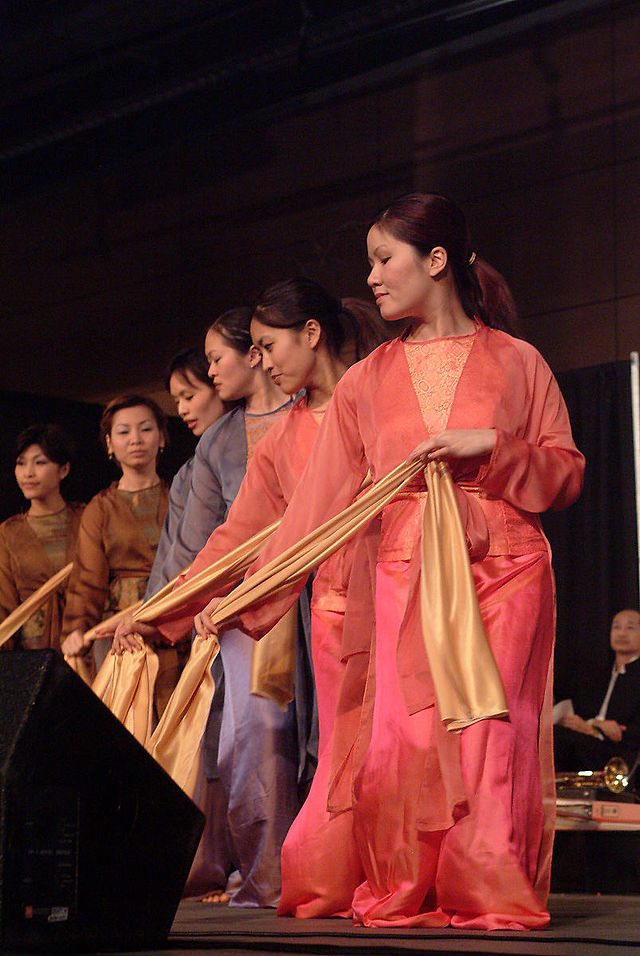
x: 385, y: 260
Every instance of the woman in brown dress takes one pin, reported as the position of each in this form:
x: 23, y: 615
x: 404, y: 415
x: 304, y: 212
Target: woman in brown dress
x: 39, y: 542
x: 119, y: 533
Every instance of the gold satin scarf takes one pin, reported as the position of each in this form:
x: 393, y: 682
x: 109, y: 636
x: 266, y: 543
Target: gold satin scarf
x: 14, y: 621
x: 175, y: 743
x: 466, y: 680
x: 125, y: 682
x: 465, y: 677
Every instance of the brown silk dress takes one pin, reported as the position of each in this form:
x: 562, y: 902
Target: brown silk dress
x: 32, y: 549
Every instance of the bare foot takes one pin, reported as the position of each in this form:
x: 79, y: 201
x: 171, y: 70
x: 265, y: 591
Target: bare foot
x: 216, y: 896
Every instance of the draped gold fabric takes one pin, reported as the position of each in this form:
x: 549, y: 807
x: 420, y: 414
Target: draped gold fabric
x: 125, y: 684
x: 465, y: 676
x: 14, y: 621
x: 274, y: 659
x: 175, y: 743
x: 464, y: 673
x: 210, y: 579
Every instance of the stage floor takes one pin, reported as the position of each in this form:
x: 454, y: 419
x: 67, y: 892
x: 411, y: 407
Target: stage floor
x: 580, y: 926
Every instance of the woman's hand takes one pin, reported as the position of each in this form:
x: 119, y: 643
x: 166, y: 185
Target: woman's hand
x: 611, y: 729
x: 457, y: 443
x: 74, y: 645
x: 129, y: 632
x: 203, y: 622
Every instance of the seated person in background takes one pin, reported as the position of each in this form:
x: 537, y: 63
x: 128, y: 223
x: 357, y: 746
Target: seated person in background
x: 581, y: 744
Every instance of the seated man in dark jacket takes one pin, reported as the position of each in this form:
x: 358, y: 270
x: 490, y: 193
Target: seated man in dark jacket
x: 581, y: 744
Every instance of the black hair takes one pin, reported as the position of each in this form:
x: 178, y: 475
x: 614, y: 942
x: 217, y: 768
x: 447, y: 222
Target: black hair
x: 51, y: 438
x: 427, y: 220
x: 190, y: 361
x: 235, y: 328
x: 291, y: 303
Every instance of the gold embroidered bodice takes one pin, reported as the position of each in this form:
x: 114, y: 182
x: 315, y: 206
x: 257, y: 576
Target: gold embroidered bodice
x: 435, y: 367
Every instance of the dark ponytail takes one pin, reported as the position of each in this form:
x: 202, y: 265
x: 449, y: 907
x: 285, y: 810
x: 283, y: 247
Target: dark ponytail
x: 365, y: 330
x: 427, y: 220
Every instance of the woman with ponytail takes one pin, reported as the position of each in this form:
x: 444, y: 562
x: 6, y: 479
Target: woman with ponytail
x: 306, y: 338
x: 451, y: 828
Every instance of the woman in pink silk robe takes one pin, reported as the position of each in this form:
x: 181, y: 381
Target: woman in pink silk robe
x: 450, y: 828
x: 301, y: 351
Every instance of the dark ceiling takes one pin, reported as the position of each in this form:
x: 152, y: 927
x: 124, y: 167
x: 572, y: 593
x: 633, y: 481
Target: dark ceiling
x: 84, y: 82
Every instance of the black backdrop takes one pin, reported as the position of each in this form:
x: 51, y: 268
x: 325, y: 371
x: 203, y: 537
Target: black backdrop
x: 594, y: 543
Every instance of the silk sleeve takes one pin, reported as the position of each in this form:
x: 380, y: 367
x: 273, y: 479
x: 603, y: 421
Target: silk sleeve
x: 543, y: 469
x: 9, y: 597
x: 330, y: 482
x: 88, y: 586
x: 258, y: 504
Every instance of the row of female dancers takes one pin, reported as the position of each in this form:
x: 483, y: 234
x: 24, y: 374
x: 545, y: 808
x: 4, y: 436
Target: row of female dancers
x: 406, y: 823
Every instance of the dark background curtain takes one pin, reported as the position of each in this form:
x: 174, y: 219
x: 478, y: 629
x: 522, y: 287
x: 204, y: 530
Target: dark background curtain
x: 91, y: 469
x: 594, y: 543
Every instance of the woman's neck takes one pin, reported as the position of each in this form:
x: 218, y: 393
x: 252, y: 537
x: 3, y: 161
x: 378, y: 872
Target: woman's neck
x: 327, y: 372
x: 46, y: 506
x: 137, y: 480
x: 265, y: 395
x: 441, y: 319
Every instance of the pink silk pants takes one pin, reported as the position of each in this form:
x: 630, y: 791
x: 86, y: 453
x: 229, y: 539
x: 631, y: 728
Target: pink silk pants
x: 479, y: 872
x: 320, y: 863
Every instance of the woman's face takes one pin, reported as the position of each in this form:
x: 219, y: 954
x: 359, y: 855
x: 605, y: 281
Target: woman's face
x: 135, y: 438
x: 38, y: 477
x: 229, y: 370
x: 198, y: 403
x: 400, y: 277
x: 287, y: 354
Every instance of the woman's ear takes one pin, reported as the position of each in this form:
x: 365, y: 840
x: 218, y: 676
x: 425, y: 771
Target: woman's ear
x: 255, y: 356
x: 437, y: 261
x: 64, y: 470
x: 313, y: 332
x: 107, y: 439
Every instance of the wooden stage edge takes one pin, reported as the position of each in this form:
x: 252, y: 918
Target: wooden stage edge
x: 580, y: 926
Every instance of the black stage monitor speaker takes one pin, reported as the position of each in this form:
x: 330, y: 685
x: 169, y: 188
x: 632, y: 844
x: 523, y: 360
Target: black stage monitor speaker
x: 96, y: 840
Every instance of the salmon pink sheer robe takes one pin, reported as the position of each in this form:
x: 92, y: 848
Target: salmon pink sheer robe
x: 274, y: 470
x: 311, y: 882
x: 450, y: 828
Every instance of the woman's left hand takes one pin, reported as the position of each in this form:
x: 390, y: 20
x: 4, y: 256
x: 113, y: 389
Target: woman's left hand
x: 203, y: 621
x: 457, y: 443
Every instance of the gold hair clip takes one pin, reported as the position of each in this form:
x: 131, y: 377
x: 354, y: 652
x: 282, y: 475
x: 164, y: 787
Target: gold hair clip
x: 472, y: 258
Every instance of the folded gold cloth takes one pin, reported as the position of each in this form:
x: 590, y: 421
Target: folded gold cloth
x: 465, y: 677
x: 175, y: 743
x: 126, y: 682
x: 20, y: 615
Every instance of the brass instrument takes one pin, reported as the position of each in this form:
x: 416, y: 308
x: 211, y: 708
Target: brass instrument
x: 614, y: 777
